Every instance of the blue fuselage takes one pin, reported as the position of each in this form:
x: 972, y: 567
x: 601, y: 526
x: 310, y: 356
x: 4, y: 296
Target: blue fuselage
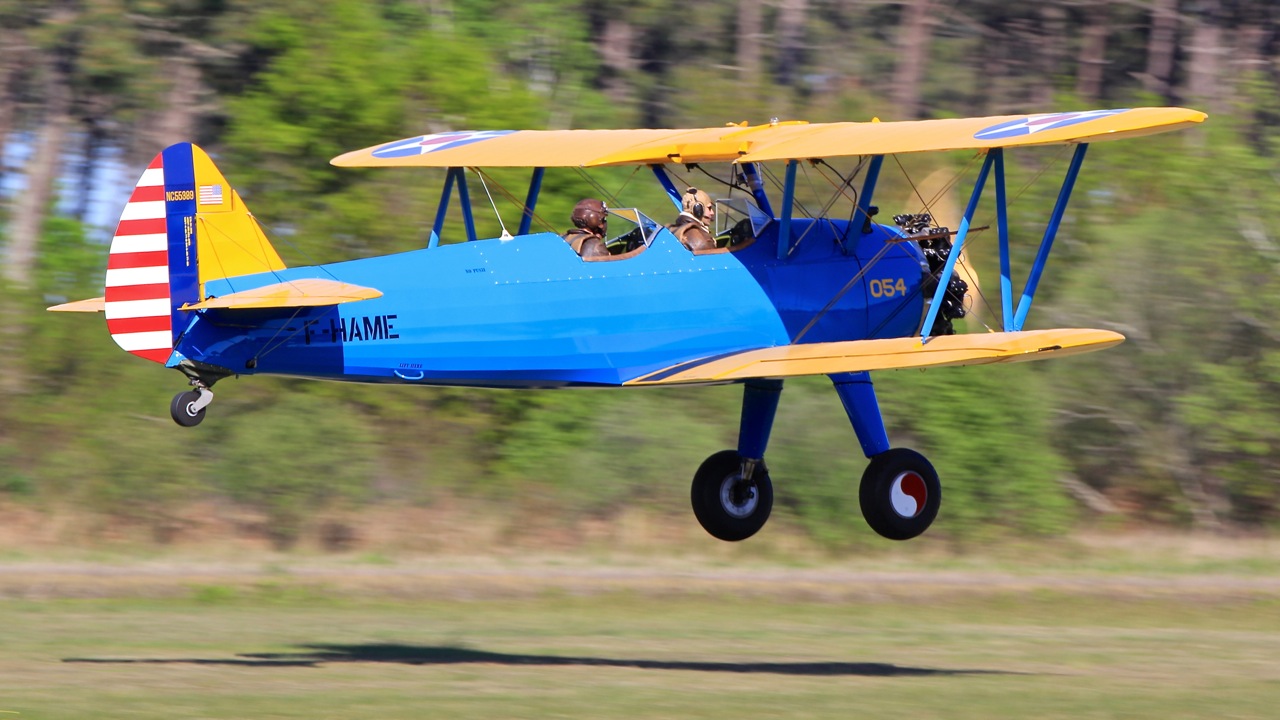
x: 528, y: 312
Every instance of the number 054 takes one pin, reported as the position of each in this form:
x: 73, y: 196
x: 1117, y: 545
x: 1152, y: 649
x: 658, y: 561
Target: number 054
x: 886, y: 287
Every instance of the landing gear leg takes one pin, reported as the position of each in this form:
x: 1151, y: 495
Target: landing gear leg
x: 900, y: 492
x: 732, y: 494
x: 187, y: 408
x: 859, y: 398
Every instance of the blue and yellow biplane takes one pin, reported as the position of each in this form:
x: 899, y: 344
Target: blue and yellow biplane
x: 192, y: 283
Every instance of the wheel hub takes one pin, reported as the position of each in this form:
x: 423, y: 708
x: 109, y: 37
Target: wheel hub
x: 738, y: 497
x: 907, y: 494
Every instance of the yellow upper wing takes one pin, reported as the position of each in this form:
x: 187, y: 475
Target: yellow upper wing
x: 843, y: 139
x: 888, y: 354
x: 776, y: 141
x: 520, y: 148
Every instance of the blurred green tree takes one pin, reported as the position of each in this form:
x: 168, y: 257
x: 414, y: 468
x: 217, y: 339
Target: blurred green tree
x: 300, y: 455
x: 1171, y: 240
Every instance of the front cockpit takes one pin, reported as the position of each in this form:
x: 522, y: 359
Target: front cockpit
x: 629, y: 233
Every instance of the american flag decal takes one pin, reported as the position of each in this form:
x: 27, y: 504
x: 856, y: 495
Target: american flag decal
x: 210, y: 194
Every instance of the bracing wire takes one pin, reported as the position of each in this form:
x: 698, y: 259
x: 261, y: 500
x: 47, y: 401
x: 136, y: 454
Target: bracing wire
x: 727, y: 183
x: 610, y: 198
x: 266, y: 347
x: 847, y: 286
x: 505, y: 235
x: 627, y: 182
x: 513, y: 200
x: 974, y: 232
x: 778, y: 185
x: 846, y: 183
x: 261, y: 236
x: 915, y: 190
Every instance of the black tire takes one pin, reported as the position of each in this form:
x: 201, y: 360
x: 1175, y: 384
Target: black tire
x: 900, y: 494
x: 726, y: 507
x: 182, y: 408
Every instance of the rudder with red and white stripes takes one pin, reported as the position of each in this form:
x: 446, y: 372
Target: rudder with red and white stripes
x: 138, y: 299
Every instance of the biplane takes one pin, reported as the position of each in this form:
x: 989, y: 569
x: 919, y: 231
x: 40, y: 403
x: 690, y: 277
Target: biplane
x: 193, y: 283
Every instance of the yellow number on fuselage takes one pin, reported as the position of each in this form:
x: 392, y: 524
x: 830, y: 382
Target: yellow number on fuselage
x: 886, y: 287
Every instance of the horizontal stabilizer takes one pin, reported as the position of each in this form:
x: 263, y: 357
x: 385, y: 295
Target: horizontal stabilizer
x: 888, y: 354
x: 91, y: 305
x: 306, y: 292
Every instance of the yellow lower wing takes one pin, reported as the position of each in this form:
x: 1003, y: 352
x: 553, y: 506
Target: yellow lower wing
x: 864, y: 355
x: 294, y: 293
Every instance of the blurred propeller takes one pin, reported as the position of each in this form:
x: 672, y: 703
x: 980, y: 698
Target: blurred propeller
x: 947, y: 212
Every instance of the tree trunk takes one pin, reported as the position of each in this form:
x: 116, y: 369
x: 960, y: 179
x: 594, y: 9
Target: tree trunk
x: 617, y: 55
x: 181, y: 105
x: 93, y: 140
x: 1161, y: 45
x: 1248, y: 57
x: 913, y: 52
x: 1250, y: 74
x: 749, y: 37
x: 1093, y: 52
x: 792, y: 15
x: 993, y: 66
x: 1050, y: 59
x: 1204, y: 56
x: 1206, y: 503
x: 10, y: 59
x: 41, y: 176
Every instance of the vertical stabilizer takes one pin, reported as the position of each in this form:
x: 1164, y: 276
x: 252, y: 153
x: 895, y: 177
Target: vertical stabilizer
x: 182, y: 227
x: 231, y: 241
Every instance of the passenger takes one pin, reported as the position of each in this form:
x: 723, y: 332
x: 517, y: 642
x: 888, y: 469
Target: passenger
x: 590, y: 223
x: 693, y: 225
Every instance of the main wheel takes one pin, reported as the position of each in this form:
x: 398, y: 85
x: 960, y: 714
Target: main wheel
x: 900, y: 494
x: 183, y: 409
x: 728, y: 507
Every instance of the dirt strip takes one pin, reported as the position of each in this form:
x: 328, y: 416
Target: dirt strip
x: 484, y: 579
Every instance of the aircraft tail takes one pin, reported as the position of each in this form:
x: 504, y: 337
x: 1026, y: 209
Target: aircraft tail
x: 183, y: 226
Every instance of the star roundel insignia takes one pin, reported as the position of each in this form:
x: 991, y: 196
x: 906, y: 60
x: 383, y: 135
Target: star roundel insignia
x: 423, y: 144
x: 1038, y: 123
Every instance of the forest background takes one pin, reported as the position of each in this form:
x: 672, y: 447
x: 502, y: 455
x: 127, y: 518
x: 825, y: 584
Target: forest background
x: 1172, y: 240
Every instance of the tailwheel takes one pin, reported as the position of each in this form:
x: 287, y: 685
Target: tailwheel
x: 728, y: 505
x: 900, y: 494
x: 187, y: 408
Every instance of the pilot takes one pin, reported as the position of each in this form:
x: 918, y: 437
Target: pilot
x: 590, y: 219
x: 693, y: 225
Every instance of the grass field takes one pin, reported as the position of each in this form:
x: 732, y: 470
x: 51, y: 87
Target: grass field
x: 595, y: 640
